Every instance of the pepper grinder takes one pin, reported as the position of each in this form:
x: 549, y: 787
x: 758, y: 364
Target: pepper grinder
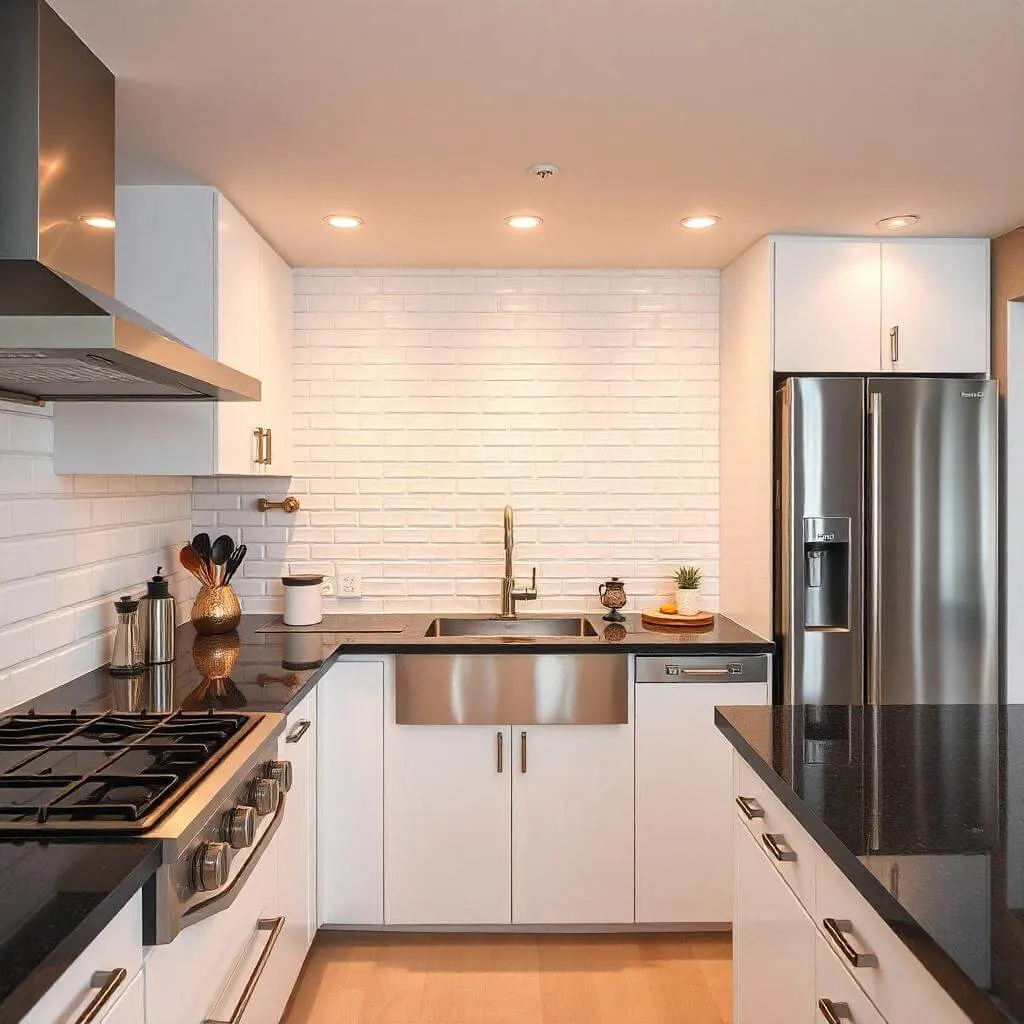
x: 127, y: 659
x: 157, y: 621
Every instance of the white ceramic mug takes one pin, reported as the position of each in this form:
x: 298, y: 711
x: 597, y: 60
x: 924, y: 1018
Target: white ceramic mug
x: 304, y: 598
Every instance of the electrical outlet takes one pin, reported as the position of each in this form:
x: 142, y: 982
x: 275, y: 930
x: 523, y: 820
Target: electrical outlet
x: 350, y: 585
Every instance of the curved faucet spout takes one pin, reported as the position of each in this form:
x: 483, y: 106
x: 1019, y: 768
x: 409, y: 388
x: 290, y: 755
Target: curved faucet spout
x: 509, y: 540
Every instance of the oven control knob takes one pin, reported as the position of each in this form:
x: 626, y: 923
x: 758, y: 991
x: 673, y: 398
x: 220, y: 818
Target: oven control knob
x: 266, y: 795
x: 210, y: 867
x: 282, y: 771
x: 240, y: 826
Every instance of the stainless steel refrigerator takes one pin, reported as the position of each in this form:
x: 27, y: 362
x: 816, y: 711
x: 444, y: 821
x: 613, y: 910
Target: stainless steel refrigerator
x: 886, y: 569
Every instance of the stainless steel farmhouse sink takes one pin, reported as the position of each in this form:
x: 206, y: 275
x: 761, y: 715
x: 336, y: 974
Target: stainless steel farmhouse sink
x: 535, y: 627
x: 511, y: 687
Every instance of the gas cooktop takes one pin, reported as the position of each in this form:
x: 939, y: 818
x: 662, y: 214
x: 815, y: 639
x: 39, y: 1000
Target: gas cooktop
x: 113, y: 772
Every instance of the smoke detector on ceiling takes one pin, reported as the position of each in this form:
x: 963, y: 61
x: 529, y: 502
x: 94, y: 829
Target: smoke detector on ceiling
x: 543, y: 171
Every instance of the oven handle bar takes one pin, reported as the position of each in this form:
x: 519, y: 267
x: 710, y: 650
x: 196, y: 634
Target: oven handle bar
x: 223, y: 899
x: 274, y: 925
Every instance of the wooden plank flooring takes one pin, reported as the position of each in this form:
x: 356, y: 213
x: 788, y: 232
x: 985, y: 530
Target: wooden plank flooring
x: 353, y: 978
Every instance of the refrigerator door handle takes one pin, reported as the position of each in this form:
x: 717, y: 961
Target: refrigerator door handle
x: 875, y: 609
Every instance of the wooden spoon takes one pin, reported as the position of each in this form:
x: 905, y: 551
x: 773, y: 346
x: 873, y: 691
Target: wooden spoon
x: 191, y: 561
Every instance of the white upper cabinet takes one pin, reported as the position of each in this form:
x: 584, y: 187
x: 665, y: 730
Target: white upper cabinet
x: 189, y: 261
x: 935, y: 305
x: 827, y: 306
x: 848, y: 305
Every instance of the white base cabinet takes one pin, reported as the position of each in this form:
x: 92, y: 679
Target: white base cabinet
x: 788, y: 967
x: 350, y: 792
x: 683, y: 815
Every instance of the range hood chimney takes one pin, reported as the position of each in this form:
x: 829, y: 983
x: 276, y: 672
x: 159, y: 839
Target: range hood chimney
x: 62, y: 334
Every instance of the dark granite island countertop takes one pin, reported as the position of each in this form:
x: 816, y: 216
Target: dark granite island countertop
x: 55, y: 898
x: 940, y: 790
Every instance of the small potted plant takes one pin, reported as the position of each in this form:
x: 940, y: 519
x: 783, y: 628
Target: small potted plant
x: 688, y: 581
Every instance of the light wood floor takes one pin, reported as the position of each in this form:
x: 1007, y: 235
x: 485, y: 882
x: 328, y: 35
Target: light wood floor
x: 352, y: 978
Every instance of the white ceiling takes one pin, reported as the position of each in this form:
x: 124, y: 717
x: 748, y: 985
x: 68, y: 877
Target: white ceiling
x: 422, y: 116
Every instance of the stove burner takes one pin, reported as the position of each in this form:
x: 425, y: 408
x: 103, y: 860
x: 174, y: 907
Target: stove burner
x: 109, y: 770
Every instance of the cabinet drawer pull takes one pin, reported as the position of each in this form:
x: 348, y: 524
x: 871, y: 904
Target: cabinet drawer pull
x: 300, y: 730
x: 270, y: 445
x: 707, y: 672
x: 778, y: 847
x: 522, y: 752
x: 894, y: 344
x: 274, y: 926
x: 501, y: 752
x: 750, y: 807
x: 108, y: 982
x: 836, y: 931
x: 258, y: 434
x: 834, y: 1013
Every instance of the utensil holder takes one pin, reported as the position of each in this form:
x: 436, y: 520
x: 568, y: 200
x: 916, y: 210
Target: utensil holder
x: 216, y: 610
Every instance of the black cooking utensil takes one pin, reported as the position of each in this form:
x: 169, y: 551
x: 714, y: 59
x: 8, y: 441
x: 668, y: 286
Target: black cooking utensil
x: 234, y: 561
x: 221, y: 550
x: 201, y: 546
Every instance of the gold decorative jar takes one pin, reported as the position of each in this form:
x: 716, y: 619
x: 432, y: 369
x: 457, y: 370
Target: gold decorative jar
x: 216, y: 610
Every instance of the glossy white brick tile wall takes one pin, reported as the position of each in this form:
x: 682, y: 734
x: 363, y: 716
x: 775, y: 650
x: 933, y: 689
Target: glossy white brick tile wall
x: 68, y: 546
x: 426, y: 400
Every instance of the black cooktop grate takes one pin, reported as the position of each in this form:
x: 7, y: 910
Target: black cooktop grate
x: 112, y: 770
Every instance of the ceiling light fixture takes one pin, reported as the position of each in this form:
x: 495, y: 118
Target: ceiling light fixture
x: 904, y: 220
x: 100, y: 221
x: 700, y: 221
x: 344, y: 220
x: 524, y: 221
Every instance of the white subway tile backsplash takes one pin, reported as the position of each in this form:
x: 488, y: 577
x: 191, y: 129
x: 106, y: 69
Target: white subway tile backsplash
x: 586, y: 399
x: 72, y: 544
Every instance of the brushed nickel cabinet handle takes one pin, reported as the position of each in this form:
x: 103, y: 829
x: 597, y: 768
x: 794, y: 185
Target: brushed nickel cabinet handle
x: 875, y: 563
x: 779, y: 850
x: 894, y: 344
x: 834, y: 1013
x: 522, y: 752
x: 836, y: 931
x: 108, y: 982
x: 274, y: 926
x: 300, y: 730
x: 750, y: 807
x: 501, y: 752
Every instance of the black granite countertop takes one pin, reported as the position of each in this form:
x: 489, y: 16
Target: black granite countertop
x: 55, y: 898
x: 267, y: 666
x: 938, y: 790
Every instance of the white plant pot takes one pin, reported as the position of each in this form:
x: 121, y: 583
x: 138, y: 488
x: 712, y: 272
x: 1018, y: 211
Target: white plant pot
x: 687, y: 602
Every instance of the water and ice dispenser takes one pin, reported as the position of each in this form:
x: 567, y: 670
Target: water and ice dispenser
x: 827, y: 572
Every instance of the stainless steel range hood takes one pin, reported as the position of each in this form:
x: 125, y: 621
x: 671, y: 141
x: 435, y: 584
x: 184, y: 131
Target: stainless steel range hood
x: 62, y: 335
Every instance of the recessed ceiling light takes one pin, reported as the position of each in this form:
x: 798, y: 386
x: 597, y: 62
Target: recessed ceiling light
x: 524, y: 221
x: 701, y: 221
x: 98, y: 221
x: 344, y: 220
x: 904, y: 220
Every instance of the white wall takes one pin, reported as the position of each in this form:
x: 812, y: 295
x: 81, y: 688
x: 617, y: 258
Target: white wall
x: 68, y: 546
x: 426, y: 400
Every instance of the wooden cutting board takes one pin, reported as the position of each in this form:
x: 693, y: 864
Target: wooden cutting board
x: 655, y: 618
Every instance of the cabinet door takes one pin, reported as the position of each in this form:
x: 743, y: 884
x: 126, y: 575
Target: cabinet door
x: 276, y: 357
x: 296, y: 864
x: 684, y: 810
x: 447, y: 824
x: 836, y: 991
x: 827, y: 305
x: 572, y: 824
x: 773, y: 943
x: 936, y: 292
x: 350, y: 792
x: 239, y: 342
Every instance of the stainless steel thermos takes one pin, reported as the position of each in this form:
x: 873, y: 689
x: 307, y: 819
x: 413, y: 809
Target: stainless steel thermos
x: 158, y: 615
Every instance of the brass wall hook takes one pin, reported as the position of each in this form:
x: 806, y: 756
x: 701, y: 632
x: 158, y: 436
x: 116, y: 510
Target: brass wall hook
x: 289, y: 504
